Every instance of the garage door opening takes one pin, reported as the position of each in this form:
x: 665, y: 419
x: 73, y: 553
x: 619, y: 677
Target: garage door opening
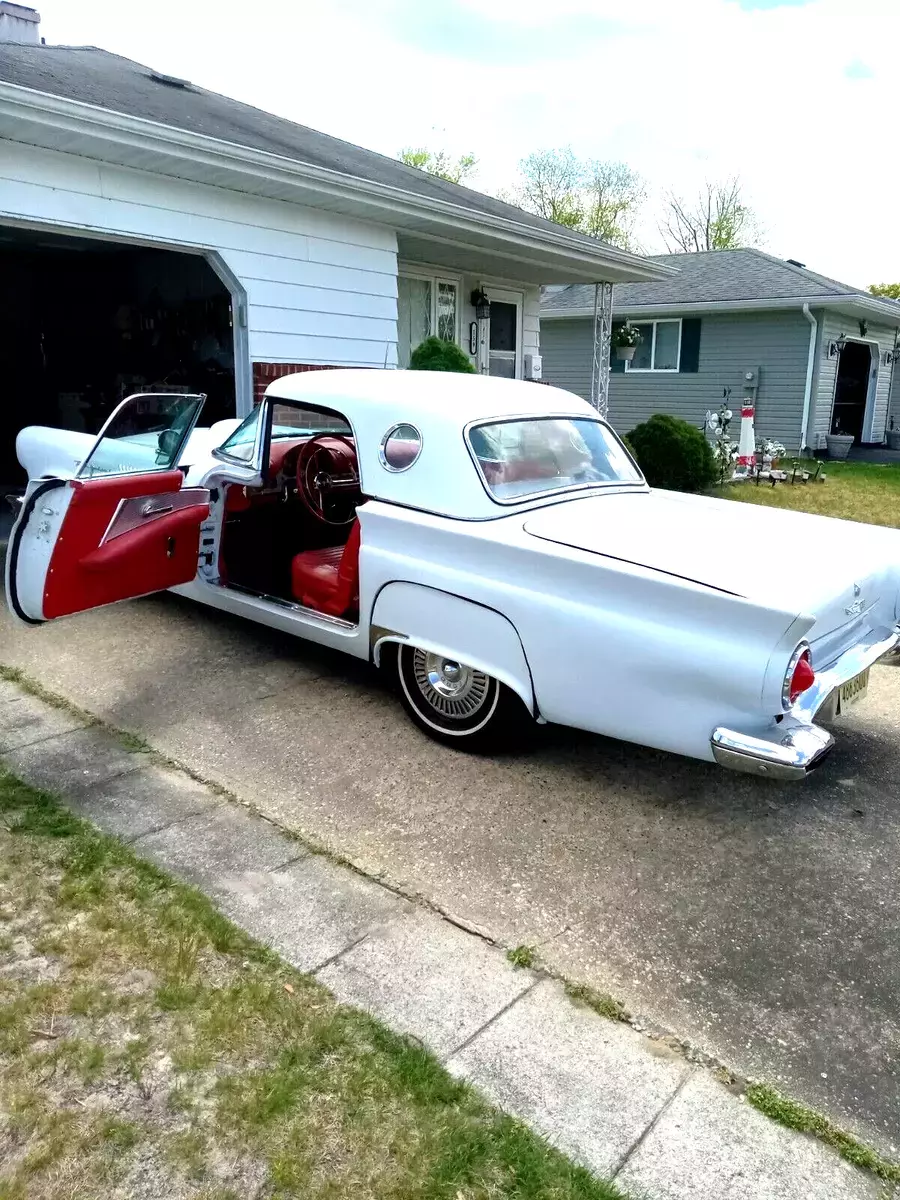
x: 87, y: 322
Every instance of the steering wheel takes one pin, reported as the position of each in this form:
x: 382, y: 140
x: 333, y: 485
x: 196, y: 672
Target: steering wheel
x: 328, y: 478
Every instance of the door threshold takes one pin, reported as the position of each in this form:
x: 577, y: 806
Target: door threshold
x: 308, y: 614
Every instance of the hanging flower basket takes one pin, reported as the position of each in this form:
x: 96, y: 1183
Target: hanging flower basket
x: 625, y: 340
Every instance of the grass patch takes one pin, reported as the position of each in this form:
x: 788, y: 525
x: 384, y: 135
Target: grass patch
x: 797, y: 1116
x: 522, y: 956
x: 147, y: 1044
x: 868, y: 492
x: 600, y: 1002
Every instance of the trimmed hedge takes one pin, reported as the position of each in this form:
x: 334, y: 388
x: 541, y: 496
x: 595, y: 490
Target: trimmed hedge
x: 673, y: 454
x: 434, y: 354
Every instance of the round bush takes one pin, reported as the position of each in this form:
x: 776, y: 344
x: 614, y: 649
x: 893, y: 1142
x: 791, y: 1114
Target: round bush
x: 673, y: 454
x: 434, y: 354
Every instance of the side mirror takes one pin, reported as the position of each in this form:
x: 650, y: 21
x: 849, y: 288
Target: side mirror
x: 168, y: 444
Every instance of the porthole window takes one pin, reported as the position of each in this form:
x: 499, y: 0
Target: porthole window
x: 400, y: 447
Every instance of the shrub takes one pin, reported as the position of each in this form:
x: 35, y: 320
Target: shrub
x: 434, y: 354
x: 673, y: 454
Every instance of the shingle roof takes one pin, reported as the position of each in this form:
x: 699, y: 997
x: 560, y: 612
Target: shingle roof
x: 714, y: 277
x: 94, y: 76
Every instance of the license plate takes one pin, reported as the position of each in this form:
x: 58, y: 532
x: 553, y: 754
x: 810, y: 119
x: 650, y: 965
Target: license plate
x: 854, y: 689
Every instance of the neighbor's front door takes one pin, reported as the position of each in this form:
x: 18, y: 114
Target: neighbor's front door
x: 505, y: 346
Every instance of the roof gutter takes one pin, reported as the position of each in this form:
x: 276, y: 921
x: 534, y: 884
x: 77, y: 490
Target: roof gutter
x: 890, y: 316
x: 810, y: 367
x: 59, y: 112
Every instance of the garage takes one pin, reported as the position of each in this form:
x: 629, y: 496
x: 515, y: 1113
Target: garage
x: 89, y: 321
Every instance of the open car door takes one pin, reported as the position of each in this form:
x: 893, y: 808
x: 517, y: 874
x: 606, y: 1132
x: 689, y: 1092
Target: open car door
x: 122, y: 527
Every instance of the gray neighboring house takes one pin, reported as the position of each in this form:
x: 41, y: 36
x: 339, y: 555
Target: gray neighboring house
x: 817, y: 355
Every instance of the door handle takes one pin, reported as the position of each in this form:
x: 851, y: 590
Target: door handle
x: 151, y: 510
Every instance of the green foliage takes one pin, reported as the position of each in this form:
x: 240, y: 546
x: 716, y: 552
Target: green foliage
x: 598, y: 198
x: 673, y: 454
x: 890, y: 290
x: 434, y: 354
x: 522, y: 956
x: 797, y: 1116
x: 439, y: 163
x: 626, y: 335
x: 602, y: 1003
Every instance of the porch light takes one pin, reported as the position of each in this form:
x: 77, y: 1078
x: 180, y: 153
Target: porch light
x: 481, y: 304
x: 837, y: 346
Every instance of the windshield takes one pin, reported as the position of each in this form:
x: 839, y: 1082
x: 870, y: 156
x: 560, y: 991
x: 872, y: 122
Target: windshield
x: 529, y: 457
x: 288, y: 421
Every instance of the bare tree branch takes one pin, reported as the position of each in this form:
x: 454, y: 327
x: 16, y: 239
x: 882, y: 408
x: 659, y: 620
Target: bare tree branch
x: 719, y: 219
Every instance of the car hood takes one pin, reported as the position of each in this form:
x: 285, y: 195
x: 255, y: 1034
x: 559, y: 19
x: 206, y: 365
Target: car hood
x: 841, y: 573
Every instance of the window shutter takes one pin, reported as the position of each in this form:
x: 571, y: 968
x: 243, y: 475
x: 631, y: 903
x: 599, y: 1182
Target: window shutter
x: 616, y: 364
x: 690, y: 345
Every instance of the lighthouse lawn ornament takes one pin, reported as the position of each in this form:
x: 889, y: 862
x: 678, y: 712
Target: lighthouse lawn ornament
x: 747, y: 443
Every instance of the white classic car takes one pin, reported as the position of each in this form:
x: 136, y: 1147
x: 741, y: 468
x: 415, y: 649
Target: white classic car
x: 490, y: 542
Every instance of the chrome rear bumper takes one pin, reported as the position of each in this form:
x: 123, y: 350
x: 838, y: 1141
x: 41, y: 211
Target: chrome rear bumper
x: 795, y: 746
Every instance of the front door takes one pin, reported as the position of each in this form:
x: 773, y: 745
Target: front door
x: 122, y: 527
x: 505, y: 346
x: 851, y: 391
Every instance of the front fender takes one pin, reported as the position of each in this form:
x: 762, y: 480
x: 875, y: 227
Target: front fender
x: 456, y: 628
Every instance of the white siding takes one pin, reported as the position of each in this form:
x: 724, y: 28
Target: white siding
x: 320, y: 287
x: 832, y: 325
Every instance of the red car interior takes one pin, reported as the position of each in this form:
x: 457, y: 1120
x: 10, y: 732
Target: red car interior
x: 327, y: 580
x: 273, y: 545
x: 85, y: 571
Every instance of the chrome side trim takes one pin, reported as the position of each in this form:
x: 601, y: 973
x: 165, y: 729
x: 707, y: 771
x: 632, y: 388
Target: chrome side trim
x: 291, y: 606
x: 798, y: 751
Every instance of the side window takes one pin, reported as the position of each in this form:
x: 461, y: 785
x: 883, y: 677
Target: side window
x: 241, y: 443
x: 145, y: 433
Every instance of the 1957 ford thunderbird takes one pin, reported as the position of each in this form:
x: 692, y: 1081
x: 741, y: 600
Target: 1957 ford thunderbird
x: 492, y: 543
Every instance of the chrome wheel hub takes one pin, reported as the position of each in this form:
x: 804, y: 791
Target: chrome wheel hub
x: 450, y: 687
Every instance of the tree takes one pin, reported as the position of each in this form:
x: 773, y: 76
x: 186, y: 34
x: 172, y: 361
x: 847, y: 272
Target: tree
x: 594, y: 197
x: 719, y: 219
x: 890, y: 290
x: 439, y: 162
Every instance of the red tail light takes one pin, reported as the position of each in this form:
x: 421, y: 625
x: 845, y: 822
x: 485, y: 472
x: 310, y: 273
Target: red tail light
x: 799, y: 677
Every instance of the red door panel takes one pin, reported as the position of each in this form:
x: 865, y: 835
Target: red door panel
x: 108, y: 551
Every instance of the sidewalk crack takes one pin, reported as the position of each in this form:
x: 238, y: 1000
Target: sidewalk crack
x: 642, y: 1137
x: 492, y: 1020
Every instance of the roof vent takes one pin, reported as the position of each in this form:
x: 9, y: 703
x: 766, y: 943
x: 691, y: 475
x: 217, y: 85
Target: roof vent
x: 170, y: 80
x: 19, y: 24
x: 794, y: 262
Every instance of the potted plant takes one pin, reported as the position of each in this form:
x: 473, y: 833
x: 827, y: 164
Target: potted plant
x: 893, y: 437
x: 626, y: 339
x: 839, y: 443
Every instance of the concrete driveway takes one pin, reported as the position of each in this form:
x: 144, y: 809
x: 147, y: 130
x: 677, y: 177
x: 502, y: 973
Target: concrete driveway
x: 758, y: 921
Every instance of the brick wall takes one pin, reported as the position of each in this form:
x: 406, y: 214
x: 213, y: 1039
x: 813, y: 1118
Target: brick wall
x: 264, y: 373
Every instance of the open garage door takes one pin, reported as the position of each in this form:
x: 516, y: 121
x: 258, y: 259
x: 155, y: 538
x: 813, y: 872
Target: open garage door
x: 87, y: 322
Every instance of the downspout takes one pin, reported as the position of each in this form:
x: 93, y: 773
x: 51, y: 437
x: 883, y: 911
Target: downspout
x: 810, y: 368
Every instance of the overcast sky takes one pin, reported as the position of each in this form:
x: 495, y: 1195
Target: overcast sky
x: 797, y: 97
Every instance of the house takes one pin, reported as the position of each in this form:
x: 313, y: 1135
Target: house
x: 816, y: 355
x: 154, y: 234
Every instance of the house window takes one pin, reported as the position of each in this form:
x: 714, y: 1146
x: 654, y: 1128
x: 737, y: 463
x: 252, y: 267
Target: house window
x: 660, y: 347
x: 426, y: 305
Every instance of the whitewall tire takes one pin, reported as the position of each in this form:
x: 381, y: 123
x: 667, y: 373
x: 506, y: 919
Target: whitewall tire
x: 455, y: 703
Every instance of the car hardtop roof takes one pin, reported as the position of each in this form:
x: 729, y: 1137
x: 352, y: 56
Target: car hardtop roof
x: 414, y: 396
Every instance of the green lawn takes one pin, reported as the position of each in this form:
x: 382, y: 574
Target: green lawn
x: 854, y: 491
x: 148, y: 1047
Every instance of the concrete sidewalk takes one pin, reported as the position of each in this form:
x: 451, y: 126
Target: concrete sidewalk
x: 622, y: 1104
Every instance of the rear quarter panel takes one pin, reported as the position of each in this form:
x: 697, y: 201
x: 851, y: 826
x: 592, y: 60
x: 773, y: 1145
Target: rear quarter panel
x: 611, y: 648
